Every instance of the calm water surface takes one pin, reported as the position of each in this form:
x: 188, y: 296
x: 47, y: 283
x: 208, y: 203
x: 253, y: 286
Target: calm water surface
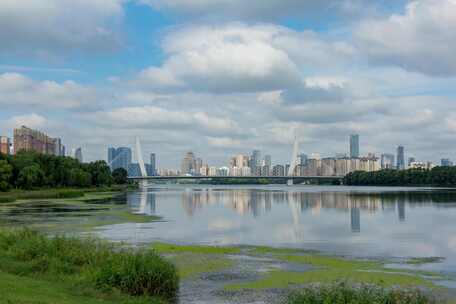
x: 355, y: 221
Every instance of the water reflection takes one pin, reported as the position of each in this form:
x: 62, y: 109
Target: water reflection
x: 357, y: 221
x: 259, y: 202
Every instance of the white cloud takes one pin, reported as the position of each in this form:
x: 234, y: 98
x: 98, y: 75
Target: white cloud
x: 423, y: 39
x: 48, y: 26
x: 224, y: 142
x: 151, y: 117
x: 238, y: 58
x: 30, y: 120
x: 17, y: 90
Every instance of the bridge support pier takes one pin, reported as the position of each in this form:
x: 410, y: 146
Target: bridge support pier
x: 290, y: 182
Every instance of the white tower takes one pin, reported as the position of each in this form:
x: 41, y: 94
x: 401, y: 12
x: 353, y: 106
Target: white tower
x: 139, y: 156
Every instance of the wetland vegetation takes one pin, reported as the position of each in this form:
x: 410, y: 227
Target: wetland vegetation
x: 82, y: 268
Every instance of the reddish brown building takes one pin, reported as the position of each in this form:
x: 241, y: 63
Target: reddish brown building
x: 5, y: 144
x: 26, y: 139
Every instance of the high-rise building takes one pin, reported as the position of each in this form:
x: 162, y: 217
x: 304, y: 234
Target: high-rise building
x: 188, y: 164
x: 255, y: 163
x: 303, y: 159
x: 268, y: 160
x: 119, y: 158
x: 354, y: 146
x: 400, y: 158
x: 5, y: 145
x: 278, y: 170
x: 446, y: 162
x: 239, y: 161
x: 387, y: 161
x: 198, y: 166
x: 134, y: 170
x: 78, y: 155
x: 28, y: 140
x: 153, y: 163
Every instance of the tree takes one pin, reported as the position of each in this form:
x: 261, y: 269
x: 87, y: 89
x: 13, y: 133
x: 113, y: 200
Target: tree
x: 80, y: 178
x: 30, y: 177
x: 6, y: 171
x: 101, y: 173
x: 120, y: 176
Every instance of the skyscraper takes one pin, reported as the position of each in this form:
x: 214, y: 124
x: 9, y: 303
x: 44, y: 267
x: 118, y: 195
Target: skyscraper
x: 354, y: 146
x: 188, y: 163
x: 387, y: 161
x: 119, y: 158
x: 78, y: 155
x: 255, y: 163
x: 153, y: 163
x: 268, y: 160
x: 400, y: 158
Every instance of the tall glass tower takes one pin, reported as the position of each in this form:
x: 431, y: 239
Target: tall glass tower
x: 354, y: 146
x: 400, y: 158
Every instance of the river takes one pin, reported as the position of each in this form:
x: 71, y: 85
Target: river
x: 376, y: 222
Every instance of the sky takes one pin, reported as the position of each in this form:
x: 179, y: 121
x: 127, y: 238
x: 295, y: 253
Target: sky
x: 225, y: 77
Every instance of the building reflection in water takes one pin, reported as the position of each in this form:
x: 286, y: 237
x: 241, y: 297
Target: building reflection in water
x: 355, y: 220
x: 258, y: 202
x: 143, y: 202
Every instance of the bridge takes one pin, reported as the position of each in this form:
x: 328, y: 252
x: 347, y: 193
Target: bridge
x: 288, y: 179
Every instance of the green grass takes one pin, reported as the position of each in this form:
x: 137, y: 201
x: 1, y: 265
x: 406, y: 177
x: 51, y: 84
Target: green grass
x: 192, y: 261
x: 170, y: 248
x: 55, y: 193
x: 15, y: 289
x: 344, y: 293
x: 192, y: 265
x: 86, y: 265
x: 332, y: 269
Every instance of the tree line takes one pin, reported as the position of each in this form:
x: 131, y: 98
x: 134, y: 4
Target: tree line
x: 30, y: 170
x: 438, y: 176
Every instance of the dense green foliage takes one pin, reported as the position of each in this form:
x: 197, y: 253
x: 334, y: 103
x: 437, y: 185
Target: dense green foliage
x: 32, y: 170
x: 438, y: 176
x: 343, y: 293
x: 120, y: 176
x: 6, y: 171
x: 91, y: 263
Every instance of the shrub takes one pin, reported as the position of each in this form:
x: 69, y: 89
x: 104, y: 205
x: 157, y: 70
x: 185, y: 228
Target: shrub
x: 137, y: 273
x: 344, y: 293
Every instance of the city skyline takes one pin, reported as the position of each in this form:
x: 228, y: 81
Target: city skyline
x: 224, y: 78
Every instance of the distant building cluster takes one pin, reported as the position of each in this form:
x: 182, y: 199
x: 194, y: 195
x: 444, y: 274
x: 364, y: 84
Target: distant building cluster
x: 341, y: 164
x: 30, y: 140
x: 254, y: 164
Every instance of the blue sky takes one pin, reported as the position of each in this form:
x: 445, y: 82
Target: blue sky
x: 223, y: 77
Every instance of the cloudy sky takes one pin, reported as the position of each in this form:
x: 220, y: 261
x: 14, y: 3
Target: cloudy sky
x: 222, y: 77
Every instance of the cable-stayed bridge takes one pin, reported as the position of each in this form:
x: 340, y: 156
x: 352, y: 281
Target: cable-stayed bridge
x: 289, y: 178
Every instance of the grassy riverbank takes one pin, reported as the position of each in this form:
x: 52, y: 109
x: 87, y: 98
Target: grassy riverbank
x: 317, y: 277
x: 56, y: 193
x: 38, y: 269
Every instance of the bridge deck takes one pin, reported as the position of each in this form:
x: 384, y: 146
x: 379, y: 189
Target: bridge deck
x: 235, y: 177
